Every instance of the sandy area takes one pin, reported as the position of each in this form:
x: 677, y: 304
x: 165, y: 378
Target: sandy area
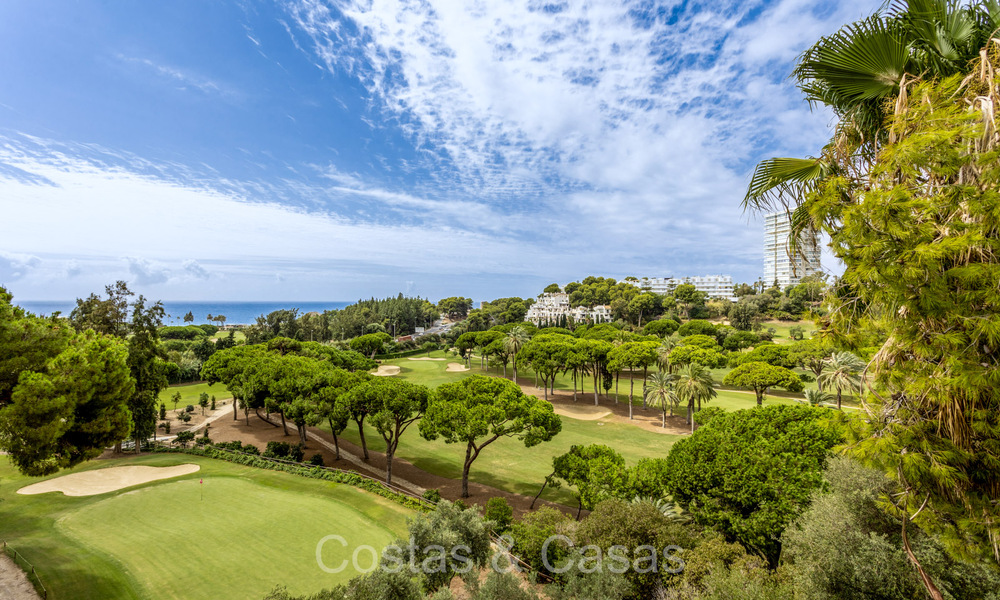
x: 386, y: 371
x: 14, y: 584
x: 583, y: 413
x: 456, y: 368
x: 425, y: 358
x: 101, y: 481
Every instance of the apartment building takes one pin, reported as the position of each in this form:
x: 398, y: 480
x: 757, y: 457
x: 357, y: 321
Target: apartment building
x: 781, y: 265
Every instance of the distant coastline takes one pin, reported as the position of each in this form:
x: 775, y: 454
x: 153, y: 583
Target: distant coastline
x: 237, y: 313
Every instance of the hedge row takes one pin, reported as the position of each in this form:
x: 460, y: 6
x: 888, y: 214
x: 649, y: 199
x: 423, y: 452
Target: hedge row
x: 345, y: 477
x: 403, y: 354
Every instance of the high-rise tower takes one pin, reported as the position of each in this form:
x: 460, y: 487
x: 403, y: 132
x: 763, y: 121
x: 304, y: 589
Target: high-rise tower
x: 781, y: 264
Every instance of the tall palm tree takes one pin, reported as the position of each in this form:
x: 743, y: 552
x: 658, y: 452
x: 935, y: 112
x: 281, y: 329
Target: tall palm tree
x: 660, y: 393
x: 694, y: 383
x: 843, y: 373
x: 516, y: 338
x: 663, y: 354
x: 856, y: 72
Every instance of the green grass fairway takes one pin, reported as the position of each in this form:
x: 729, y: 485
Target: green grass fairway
x: 506, y: 464
x: 254, y: 529
x: 430, y: 372
x: 781, y: 330
x: 191, y: 391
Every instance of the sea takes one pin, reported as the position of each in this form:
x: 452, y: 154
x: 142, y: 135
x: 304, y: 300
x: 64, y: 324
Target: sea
x: 237, y: 313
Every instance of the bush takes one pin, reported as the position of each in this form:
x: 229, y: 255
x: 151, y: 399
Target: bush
x: 499, y: 511
x: 186, y: 332
x: 316, y: 460
x: 696, y: 327
x: 189, y: 408
x: 213, y: 403
x: 184, y: 437
x: 749, y: 473
x: 847, y: 541
x: 208, y: 329
x: 284, y: 451
x: 165, y: 426
x: 447, y: 526
x: 203, y: 440
x: 276, y: 450
x: 163, y: 411
x: 632, y: 525
x: 531, y: 531
x: 185, y: 417
x: 432, y: 495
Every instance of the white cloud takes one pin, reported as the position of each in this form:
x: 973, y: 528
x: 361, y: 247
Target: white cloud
x: 195, y: 269
x: 628, y: 124
x: 145, y: 272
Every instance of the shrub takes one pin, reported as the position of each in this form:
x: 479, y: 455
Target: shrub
x: 165, y: 426
x: 208, y: 329
x: 296, y: 453
x: 276, y: 450
x: 213, y: 403
x: 530, y: 533
x: 632, y: 525
x: 189, y: 408
x: 499, y: 511
x: 163, y: 411
x: 184, y: 437
x: 316, y: 460
x: 749, y: 473
x: 432, y: 495
x: 185, y: 417
x: 696, y: 327
x: 447, y: 526
x: 186, y: 332
x: 203, y: 440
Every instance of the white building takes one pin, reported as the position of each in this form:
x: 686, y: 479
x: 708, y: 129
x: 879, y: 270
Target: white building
x: 549, y: 308
x: 781, y: 265
x: 716, y: 286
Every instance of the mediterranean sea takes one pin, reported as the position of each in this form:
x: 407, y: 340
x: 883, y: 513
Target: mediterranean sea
x: 236, y: 313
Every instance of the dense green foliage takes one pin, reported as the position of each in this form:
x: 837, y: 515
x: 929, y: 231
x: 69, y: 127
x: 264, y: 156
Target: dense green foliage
x: 749, y: 473
x: 480, y: 410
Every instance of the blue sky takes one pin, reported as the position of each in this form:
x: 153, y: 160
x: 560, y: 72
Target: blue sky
x: 311, y: 150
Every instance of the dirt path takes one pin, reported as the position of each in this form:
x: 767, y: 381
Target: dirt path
x: 649, y: 419
x: 259, y: 432
x: 14, y: 583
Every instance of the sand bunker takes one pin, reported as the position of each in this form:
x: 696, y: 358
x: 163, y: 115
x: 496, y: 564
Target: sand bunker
x: 101, y: 481
x: 425, y: 358
x: 583, y: 413
x: 456, y: 368
x: 386, y: 371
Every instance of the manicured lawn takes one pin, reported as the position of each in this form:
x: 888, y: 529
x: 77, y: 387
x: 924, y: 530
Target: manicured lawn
x: 781, y: 329
x: 430, y: 372
x: 190, y: 393
x: 238, y: 334
x: 254, y: 529
x: 506, y: 464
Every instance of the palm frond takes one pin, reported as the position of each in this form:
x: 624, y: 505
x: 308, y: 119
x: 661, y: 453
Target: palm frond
x: 862, y: 61
x: 776, y: 180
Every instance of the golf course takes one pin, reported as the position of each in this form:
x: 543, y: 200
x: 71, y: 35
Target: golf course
x: 225, y: 527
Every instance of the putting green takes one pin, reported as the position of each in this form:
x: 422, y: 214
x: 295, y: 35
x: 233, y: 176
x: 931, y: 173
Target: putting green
x: 254, y: 529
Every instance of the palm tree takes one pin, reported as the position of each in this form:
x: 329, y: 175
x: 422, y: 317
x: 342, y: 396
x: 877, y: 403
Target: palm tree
x: 516, y: 338
x: 843, y: 373
x: 856, y: 72
x: 694, y: 383
x: 660, y: 392
x: 816, y: 397
x: 663, y: 353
